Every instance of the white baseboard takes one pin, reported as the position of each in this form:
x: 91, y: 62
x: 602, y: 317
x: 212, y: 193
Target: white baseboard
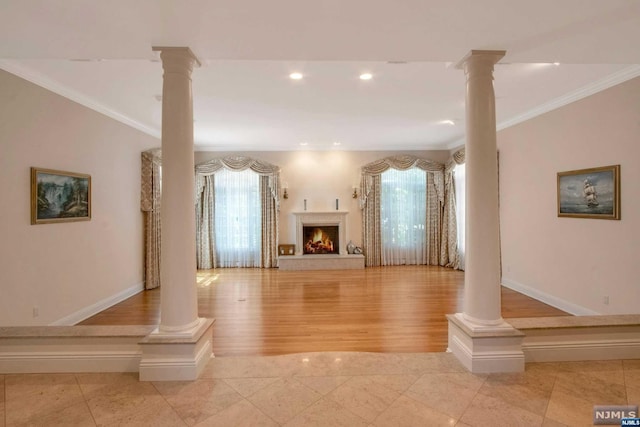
x: 581, y: 350
x: 77, y: 361
x: 551, y: 300
x: 99, y: 306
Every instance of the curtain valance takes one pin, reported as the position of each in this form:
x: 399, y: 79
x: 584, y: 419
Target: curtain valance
x: 435, y: 171
x: 239, y: 163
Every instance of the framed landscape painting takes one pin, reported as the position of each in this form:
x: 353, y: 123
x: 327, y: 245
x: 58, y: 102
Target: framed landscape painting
x: 590, y: 193
x: 58, y: 196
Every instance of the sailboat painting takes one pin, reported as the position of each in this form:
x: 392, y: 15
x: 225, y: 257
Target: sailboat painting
x: 590, y: 193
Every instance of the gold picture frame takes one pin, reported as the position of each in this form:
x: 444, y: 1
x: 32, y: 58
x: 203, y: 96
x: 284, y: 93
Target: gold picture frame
x: 59, y: 196
x: 590, y: 193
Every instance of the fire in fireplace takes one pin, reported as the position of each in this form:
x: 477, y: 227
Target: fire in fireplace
x: 321, y: 239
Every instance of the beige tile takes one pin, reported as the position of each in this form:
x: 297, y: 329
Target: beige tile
x: 633, y: 394
x: 610, y: 371
x: 633, y: 364
x: 247, y: 367
x: 448, y: 393
x: 99, y: 384
x: 489, y: 411
x: 2, y: 423
x: 77, y: 415
x: 284, y: 399
x: 569, y: 409
x: 548, y: 422
x: 30, y: 397
x: 323, y: 385
x: 591, y: 388
x: 631, y: 373
x: 405, y: 411
x: 529, y: 390
x: 423, y: 363
x: 241, y: 414
x: 247, y: 386
x: 120, y: 399
x: 368, y: 396
x: 328, y: 413
x: 195, y: 401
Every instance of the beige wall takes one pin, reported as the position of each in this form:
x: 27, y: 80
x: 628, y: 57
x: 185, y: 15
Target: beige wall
x: 573, y: 263
x: 64, y: 269
x: 321, y: 177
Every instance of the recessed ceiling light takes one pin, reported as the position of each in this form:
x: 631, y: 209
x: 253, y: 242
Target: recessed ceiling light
x: 304, y: 143
x: 366, y: 76
x: 448, y: 122
x: 295, y: 76
x: 556, y: 64
x: 336, y: 143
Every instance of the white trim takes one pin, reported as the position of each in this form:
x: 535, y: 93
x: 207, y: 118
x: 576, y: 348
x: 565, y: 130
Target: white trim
x: 99, y: 306
x: 568, y: 98
x: 585, y: 91
x: 62, y: 90
x: 79, y: 361
x: 551, y: 300
x: 177, y: 367
x: 580, y: 350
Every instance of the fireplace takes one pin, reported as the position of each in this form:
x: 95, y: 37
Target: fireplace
x: 320, y: 239
x: 327, y: 232
x: 320, y: 233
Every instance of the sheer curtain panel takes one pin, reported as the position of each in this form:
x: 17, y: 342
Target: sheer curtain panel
x: 237, y: 218
x: 403, y: 216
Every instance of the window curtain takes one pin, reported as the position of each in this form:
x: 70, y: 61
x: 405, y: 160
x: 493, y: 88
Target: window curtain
x: 269, y: 176
x: 454, y: 194
x: 150, y: 195
x: 403, y: 208
x: 237, y: 220
x: 370, y: 193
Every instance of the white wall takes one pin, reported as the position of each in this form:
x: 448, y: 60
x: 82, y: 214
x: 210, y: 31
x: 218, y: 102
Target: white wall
x: 321, y: 177
x: 64, y: 268
x: 573, y: 263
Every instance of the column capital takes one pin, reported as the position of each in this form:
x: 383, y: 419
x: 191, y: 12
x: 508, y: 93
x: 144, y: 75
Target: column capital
x: 489, y: 56
x: 175, y: 55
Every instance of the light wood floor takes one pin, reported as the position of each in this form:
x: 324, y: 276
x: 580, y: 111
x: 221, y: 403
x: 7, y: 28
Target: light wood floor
x: 270, y: 312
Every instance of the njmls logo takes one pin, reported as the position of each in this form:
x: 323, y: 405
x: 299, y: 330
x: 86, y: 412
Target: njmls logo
x: 613, y: 414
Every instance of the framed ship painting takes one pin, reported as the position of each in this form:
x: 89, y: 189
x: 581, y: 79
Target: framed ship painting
x: 590, y: 193
x: 58, y: 196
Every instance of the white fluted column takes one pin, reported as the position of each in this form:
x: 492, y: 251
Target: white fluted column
x: 482, y: 240
x: 181, y: 346
x: 178, y: 293
x: 478, y: 336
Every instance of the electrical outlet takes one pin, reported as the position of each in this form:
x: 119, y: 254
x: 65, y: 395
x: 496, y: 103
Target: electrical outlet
x: 605, y: 300
x: 36, y: 311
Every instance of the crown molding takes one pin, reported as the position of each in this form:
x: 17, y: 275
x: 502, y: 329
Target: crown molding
x: 62, y: 90
x: 585, y: 91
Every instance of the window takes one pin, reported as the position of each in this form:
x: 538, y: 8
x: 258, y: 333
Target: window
x: 458, y: 182
x: 403, y: 216
x: 237, y: 218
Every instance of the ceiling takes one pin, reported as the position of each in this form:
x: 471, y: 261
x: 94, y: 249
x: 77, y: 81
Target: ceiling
x: 99, y: 54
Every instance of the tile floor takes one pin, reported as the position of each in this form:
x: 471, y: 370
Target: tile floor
x: 325, y: 389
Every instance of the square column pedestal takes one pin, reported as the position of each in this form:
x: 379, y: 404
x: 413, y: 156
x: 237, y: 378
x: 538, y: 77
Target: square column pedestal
x: 489, y: 349
x: 176, y: 356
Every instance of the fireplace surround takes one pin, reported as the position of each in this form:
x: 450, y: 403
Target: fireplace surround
x: 327, y: 222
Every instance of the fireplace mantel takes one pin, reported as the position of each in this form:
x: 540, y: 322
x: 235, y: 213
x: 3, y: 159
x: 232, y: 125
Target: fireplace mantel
x: 321, y: 218
x: 342, y: 260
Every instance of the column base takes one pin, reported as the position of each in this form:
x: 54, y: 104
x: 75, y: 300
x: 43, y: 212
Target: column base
x: 485, y: 349
x: 176, y: 357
